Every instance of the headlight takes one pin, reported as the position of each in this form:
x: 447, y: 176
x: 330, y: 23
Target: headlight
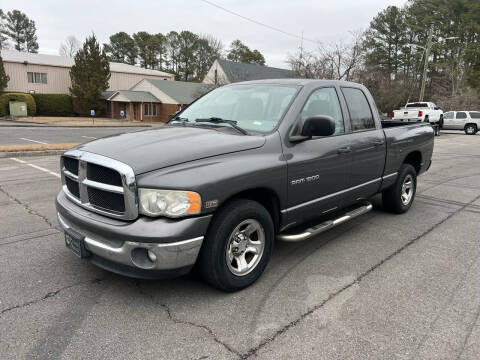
x: 170, y: 203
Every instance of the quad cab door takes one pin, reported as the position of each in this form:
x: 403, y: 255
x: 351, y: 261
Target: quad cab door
x: 368, y: 145
x: 317, y: 167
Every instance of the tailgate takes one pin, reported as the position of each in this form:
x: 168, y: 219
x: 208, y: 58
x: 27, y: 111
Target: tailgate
x: 406, y: 114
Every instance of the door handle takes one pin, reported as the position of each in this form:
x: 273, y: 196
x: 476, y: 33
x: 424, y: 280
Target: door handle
x: 378, y: 142
x: 344, y: 150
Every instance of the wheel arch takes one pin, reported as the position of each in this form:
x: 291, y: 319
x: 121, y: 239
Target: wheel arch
x: 263, y: 195
x: 415, y: 159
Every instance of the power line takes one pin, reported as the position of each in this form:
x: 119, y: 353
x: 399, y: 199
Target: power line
x: 258, y: 22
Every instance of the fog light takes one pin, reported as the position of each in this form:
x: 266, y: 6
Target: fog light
x: 152, y: 256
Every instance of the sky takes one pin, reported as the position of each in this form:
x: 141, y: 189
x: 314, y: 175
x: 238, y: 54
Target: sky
x: 325, y: 21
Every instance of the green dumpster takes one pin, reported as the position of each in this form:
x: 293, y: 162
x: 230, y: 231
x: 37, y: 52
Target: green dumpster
x: 18, y: 108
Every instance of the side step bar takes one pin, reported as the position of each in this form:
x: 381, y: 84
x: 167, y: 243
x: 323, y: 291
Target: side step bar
x: 327, y: 225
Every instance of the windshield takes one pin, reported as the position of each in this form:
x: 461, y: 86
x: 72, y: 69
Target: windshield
x: 253, y: 107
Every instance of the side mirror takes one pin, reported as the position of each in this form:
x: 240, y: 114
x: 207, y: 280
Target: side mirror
x: 318, y: 125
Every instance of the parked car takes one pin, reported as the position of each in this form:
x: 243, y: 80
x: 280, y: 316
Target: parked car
x: 419, y: 112
x: 243, y: 165
x: 468, y: 121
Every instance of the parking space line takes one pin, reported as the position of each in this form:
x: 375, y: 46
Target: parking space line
x: 88, y: 137
x: 36, y: 167
x: 35, y: 141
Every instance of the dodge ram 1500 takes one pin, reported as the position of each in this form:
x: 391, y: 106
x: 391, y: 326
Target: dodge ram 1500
x: 242, y: 166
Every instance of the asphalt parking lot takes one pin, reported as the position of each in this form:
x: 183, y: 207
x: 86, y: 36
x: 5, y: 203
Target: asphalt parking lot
x: 50, y: 135
x: 382, y: 286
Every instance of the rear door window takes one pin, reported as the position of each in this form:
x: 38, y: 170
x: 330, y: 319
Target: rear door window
x: 475, y: 115
x: 461, y: 115
x: 361, y: 116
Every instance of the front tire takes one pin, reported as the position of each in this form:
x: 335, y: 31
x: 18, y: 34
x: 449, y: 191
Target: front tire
x: 399, y: 198
x: 471, y: 129
x: 237, y: 246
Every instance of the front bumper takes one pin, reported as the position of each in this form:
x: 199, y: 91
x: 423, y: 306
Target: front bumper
x: 121, y: 246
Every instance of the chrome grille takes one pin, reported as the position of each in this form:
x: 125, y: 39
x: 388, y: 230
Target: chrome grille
x: 100, y: 184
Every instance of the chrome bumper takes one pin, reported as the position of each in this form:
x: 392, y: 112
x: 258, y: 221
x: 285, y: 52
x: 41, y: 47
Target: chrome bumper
x: 169, y: 256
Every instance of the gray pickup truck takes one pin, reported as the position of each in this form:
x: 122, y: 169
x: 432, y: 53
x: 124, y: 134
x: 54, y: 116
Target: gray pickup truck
x: 242, y: 166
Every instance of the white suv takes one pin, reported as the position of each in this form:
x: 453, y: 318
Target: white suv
x: 469, y: 121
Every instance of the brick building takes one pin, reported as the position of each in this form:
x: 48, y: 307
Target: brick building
x: 152, y: 100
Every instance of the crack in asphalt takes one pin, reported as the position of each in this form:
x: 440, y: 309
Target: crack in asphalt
x: 28, y: 238
x: 48, y: 295
x: 470, y: 330
x: 254, y: 350
x: 170, y: 315
x: 28, y: 208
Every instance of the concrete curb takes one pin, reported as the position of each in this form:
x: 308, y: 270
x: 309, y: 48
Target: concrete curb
x: 76, y: 126
x: 15, y: 154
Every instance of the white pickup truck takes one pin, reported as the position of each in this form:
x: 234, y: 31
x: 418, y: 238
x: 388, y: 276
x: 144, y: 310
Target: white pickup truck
x: 420, y: 112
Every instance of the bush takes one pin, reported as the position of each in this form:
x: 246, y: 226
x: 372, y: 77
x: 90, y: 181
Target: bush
x: 79, y: 107
x: 54, y: 104
x: 27, y: 98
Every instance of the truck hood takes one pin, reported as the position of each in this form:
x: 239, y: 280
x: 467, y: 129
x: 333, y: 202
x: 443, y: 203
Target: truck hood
x: 169, y: 145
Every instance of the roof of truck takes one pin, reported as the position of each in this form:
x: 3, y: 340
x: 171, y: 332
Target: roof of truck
x: 298, y: 82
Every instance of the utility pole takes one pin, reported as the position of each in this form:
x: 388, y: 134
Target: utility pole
x: 301, y: 47
x: 425, y: 66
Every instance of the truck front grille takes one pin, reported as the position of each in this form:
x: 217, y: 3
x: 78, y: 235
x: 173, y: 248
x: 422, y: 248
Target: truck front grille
x: 71, y: 165
x: 106, y: 200
x: 103, y: 175
x: 100, y: 184
x: 73, y: 187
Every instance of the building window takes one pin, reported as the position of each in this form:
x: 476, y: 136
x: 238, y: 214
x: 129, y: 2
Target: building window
x: 37, y: 78
x: 150, y: 109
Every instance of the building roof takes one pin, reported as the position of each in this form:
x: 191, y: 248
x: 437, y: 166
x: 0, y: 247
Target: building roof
x: 181, y: 91
x: 64, y: 61
x: 134, y: 96
x: 106, y: 94
x: 237, y: 71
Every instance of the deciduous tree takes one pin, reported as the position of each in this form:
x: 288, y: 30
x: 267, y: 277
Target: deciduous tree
x: 70, y: 47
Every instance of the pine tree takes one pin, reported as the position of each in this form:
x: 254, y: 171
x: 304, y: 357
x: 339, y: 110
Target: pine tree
x: 22, y: 31
x: 4, y: 78
x: 90, y: 76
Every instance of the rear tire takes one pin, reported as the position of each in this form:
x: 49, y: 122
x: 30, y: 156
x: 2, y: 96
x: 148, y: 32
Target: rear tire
x: 471, y: 129
x: 229, y: 238
x: 399, y: 197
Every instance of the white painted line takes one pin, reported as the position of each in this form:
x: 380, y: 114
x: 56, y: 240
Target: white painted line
x: 88, y: 137
x: 35, y: 141
x: 6, y: 168
x: 36, y: 167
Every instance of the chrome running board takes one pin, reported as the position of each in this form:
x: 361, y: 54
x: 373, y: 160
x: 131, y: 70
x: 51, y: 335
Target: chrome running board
x: 326, y: 225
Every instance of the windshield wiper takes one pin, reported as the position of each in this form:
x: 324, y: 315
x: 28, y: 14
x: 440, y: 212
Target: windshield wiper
x: 217, y: 120
x: 182, y: 120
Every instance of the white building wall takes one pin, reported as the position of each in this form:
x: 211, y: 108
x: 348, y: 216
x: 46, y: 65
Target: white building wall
x: 222, y: 78
x: 58, y: 79
x: 160, y: 95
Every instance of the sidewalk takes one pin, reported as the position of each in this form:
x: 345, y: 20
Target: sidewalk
x: 74, y: 121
